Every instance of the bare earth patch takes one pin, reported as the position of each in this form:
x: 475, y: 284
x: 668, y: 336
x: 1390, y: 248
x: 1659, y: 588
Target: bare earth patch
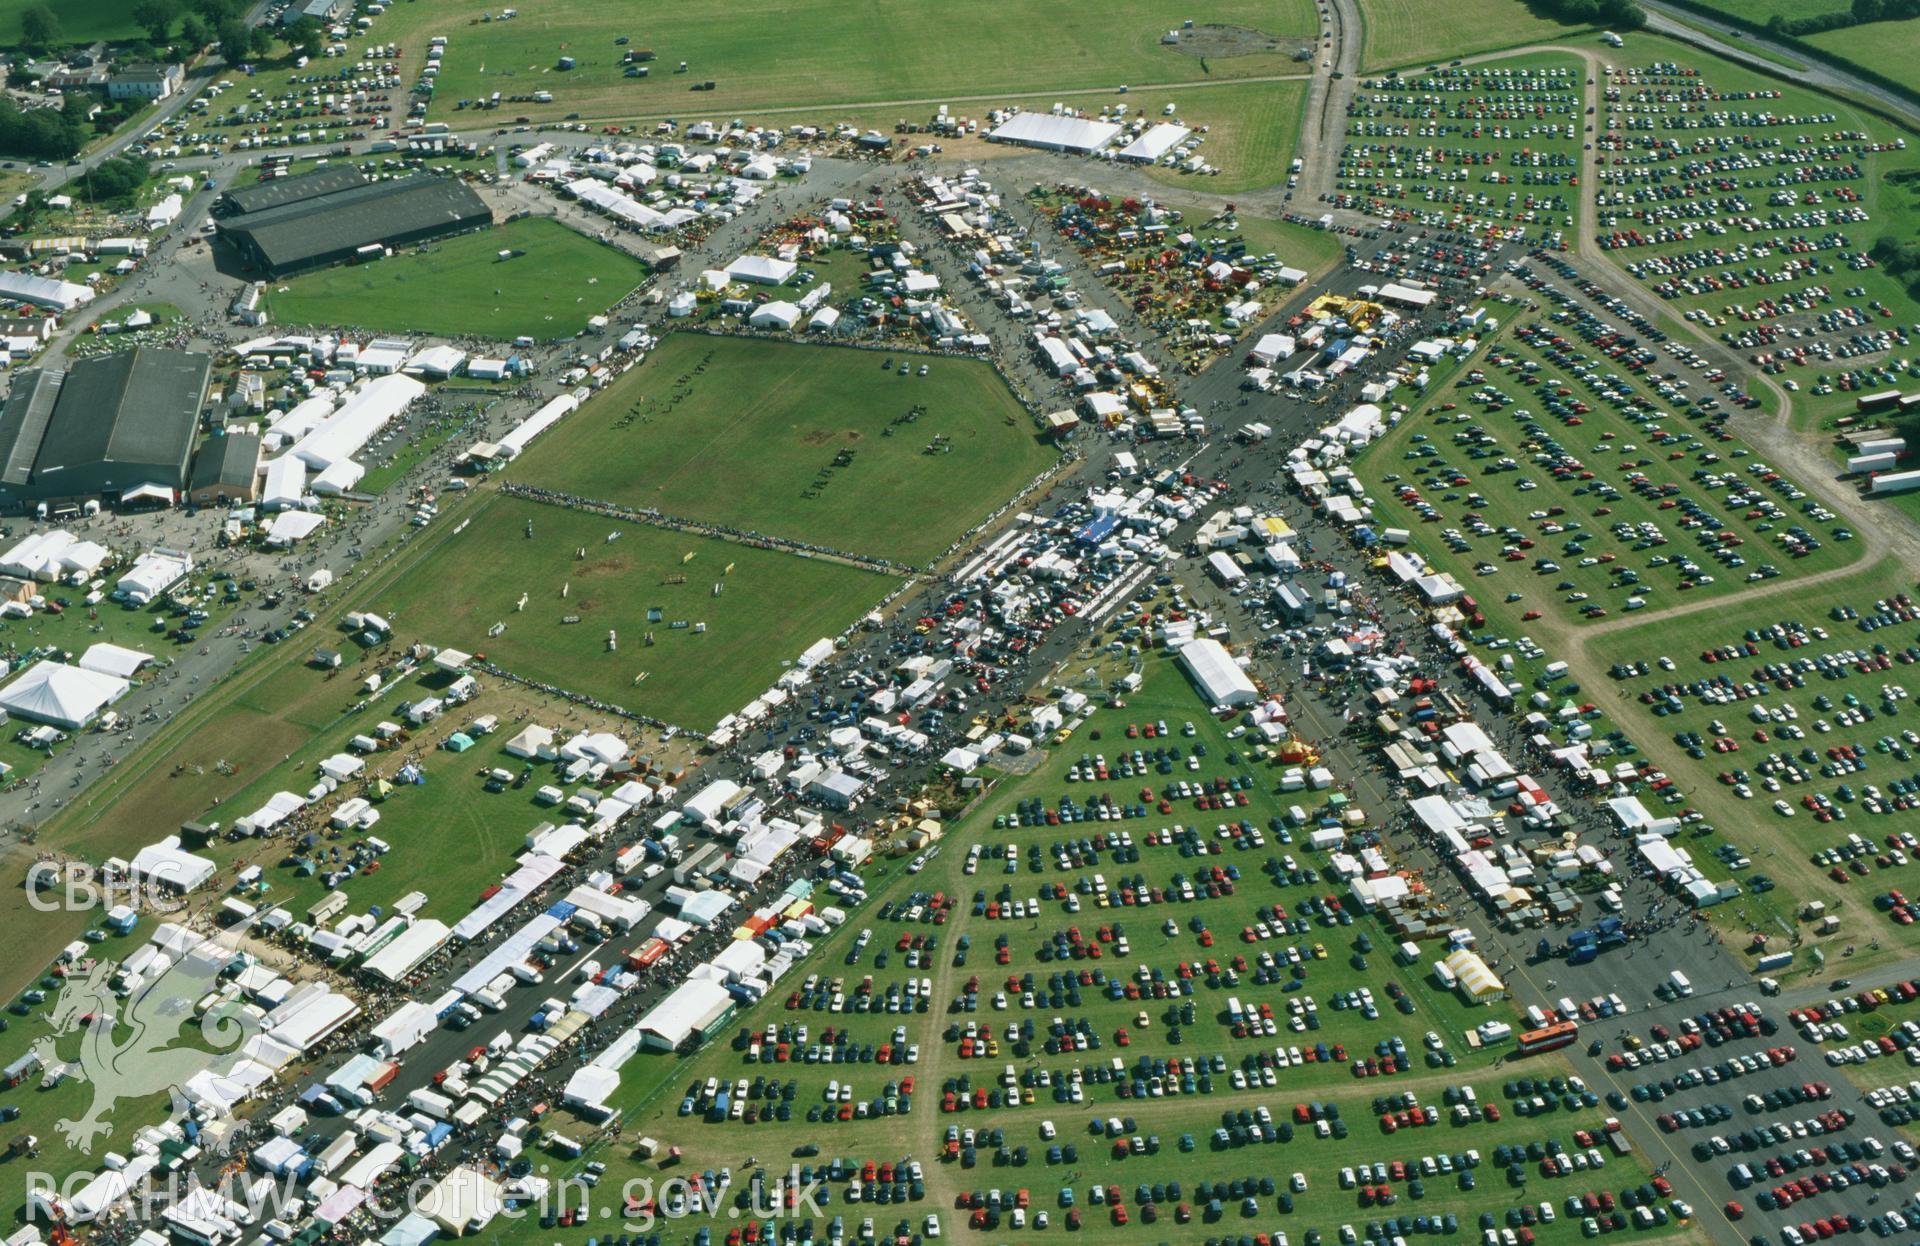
x: 1225, y: 41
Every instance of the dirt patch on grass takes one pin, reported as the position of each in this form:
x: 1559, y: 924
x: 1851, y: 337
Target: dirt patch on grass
x: 1226, y: 40
x: 613, y: 564
x: 817, y: 437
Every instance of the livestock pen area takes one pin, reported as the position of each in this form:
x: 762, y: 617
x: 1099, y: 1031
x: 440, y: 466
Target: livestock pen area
x: 884, y: 456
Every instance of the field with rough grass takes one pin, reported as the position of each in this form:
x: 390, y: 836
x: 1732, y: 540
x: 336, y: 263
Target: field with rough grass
x: 765, y: 55
x: 725, y: 618
x: 1411, y: 32
x: 820, y: 444
x: 460, y: 286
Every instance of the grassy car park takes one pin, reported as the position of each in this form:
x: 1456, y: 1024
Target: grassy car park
x: 906, y: 1038
x: 1598, y: 570
x: 1776, y: 263
x: 43, y: 1099
x: 641, y: 620
x: 807, y: 443
x: 1789, y: 718
x: 1553, y: 457
x: 1468, y: 147
x: 532, y: 277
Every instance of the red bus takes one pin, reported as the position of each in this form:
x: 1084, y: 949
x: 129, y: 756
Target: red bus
x: 1559, y: 1034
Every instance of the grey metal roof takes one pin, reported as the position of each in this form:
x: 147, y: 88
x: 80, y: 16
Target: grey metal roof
x: 139, y: 407
x: 229, y: 460
x: 23, y: 422
x: 359, y: 216
x: 277, y: 191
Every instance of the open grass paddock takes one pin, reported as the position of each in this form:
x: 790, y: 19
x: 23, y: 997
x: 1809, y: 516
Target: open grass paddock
x: 811, y: 443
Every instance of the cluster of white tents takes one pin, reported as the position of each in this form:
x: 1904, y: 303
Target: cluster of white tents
x: 54, y: 555
x: 319, y: 438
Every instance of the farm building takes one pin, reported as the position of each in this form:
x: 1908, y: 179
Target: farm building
x: 761, y: 269
x: 317, y: 230
x: 118, y: 427
x: 1155, y: 143
x: 1477, y: 982
x: 54, y: 555
x: 279, y: 191
x: 169, y: 865
x: 1406, y: 295
x: 227, y: 469
x: 152, y: 574
x: 1051, y: 133
x: 116, y: 661
x: 326, y: 12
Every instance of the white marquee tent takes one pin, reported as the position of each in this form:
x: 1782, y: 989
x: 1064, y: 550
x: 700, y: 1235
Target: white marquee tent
x: 61, y: 695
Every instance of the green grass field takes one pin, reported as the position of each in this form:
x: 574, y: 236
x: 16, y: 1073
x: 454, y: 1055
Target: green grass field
x: 1252, y: 130
x: 81, y: 21
x: 1887, y: 48
x: 810, y: 443
x: 1412, y: 32
x: 460, y: 286
x: 771, y: 607
x: 765, y: 54
x: 1764, y: 11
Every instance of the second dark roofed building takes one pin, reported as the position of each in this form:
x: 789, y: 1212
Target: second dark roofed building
x: 277, y: 191
x: 332, y: 228
x: 227, y: 469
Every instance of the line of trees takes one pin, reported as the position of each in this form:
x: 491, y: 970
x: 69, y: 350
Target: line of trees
x: 1900, y: 259
x: 111, y: 181
x: 1620, y: 15
x: 1861, y: 12
x: 44, y: 133
x: 196, y: 22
